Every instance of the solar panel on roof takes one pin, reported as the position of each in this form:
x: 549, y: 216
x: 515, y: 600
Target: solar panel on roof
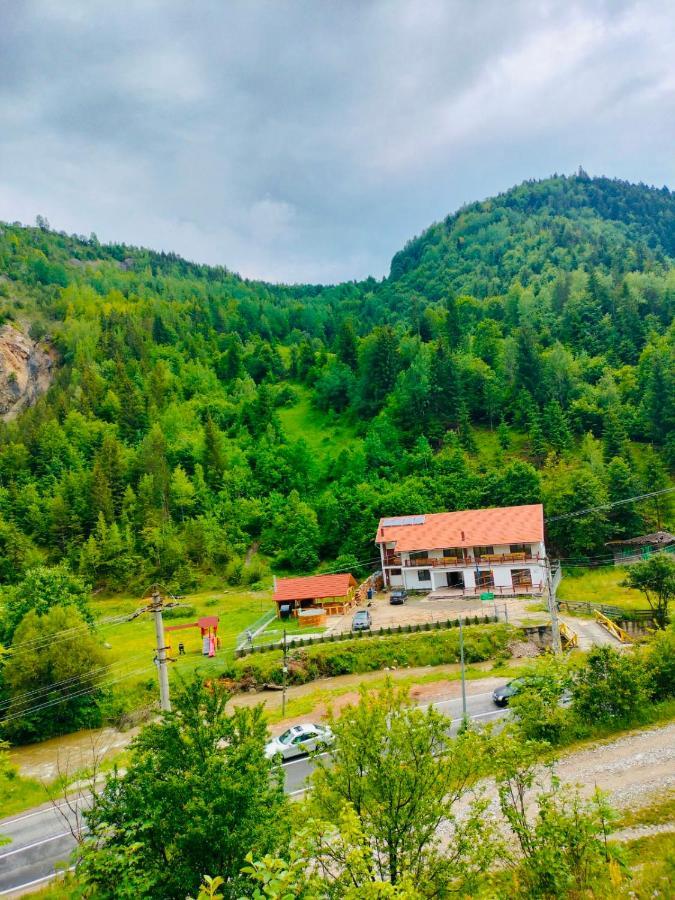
x: 404, y: 520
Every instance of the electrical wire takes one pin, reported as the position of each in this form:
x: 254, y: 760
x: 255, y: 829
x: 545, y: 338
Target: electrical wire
x: 583, y: 512
x: 68, y: 633
x: 73, y: 696
x: 30, y: 696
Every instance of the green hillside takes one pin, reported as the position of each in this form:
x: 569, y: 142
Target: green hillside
x: 521, y: 350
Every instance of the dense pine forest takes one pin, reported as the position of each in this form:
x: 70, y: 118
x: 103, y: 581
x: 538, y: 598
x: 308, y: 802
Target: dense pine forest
x: 521, y: 350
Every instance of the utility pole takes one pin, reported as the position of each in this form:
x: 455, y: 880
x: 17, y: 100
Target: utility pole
x: 461, y: 661
x: 553, y: 609
x: 284, y: 672
x: 161, y: 660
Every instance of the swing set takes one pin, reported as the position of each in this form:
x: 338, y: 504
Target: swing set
x: 208, y: 625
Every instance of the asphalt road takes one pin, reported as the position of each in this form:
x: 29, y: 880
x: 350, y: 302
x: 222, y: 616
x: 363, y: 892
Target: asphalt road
x: 41, y: 838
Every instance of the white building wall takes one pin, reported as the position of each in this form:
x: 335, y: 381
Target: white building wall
x: 396, y: 580
x: 502, y: 577
x: 469, y: 578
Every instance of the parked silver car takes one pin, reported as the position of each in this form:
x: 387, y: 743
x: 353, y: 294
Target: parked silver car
x: 300, y: 739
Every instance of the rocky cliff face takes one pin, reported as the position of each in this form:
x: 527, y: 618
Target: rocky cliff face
x: 26, y: 370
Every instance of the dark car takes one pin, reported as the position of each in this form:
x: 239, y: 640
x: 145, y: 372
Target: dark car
x: 361, y: 621
x: 396, y: 598
x: 503, y: 694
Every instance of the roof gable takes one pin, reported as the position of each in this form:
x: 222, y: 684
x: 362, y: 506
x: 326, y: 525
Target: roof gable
x: 314, y: 587
x: 467, y: 528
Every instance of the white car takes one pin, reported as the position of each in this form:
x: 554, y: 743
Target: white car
x: 300, y: 739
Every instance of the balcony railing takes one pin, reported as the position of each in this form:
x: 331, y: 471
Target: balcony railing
x: 491, y: 559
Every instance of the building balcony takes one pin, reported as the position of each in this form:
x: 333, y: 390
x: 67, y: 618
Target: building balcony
x: 492, y: 559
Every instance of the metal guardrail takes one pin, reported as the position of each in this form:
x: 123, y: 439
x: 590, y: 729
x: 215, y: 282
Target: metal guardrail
x: 613, y: 628
x: 252, y: 631
x: 570, y: 638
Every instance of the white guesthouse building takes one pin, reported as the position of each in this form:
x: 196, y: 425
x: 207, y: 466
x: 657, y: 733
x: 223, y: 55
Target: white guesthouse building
x: 467, y: 552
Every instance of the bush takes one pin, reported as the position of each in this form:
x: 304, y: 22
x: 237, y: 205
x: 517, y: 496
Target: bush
x: 181, y: 612
x: 356, y: 655
x: 661, y: 664
x: 610, y: 687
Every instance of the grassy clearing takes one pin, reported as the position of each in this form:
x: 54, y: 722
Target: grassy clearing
x: 651, y: 861
x: 488, y: 445
x: 658, y: 812
x: 131, y: 644
x: 325, y: 434
x: 18, y: 793
x: 600, y: 586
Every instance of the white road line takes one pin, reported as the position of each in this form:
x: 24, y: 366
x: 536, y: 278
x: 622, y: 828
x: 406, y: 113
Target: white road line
x: 27, y: 884
x: 41, y: 812
x: 54, y: 837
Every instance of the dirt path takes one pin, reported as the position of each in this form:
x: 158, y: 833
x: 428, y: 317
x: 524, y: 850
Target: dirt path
x: 629, y: 768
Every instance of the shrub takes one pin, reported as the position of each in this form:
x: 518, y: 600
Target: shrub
x: 181, y: 612
x: 610, y: 687
x: 355, y: 655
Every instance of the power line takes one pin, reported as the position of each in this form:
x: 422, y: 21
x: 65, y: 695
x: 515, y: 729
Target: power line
x: 67, y: 633
x: 45, y: 689
x: 82, y: 693
x: 583, y: 512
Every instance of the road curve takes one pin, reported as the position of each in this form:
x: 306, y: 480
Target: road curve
x: 41, y: 839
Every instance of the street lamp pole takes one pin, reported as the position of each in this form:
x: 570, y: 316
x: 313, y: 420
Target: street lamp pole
x: 461, y: 660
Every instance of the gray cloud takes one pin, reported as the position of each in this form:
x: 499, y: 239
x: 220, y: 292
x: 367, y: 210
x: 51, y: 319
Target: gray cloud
x: 306, y: 141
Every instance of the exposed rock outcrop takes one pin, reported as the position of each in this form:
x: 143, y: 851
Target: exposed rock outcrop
x: 26, y: 370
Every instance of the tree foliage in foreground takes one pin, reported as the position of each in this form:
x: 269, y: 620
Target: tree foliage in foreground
x: 197, y: 795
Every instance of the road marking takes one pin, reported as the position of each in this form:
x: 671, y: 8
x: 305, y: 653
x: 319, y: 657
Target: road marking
x: 41, y: 812
x: 27, y: 884
x: 54, y: 837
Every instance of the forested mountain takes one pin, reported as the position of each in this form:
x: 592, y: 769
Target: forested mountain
x: 522, y: 349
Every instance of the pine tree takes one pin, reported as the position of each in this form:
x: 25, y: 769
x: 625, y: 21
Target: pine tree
x: 503, y: 435
x: 555, y: 427
x: 346, y: 344
x: 101, y: 495
x: 614, y: 437
x: 536, y: 435
x: 213, y: 458
x: 466, y: 438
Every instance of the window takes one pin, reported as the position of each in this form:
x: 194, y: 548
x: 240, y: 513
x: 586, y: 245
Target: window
x: 453, y: 551
x: 483, y: 551
x: 424, y: 575
x: 521, y: 578
x: 395, y: 572
x: 419, y: 554
x: 485, y: 579
x: 519, y: 548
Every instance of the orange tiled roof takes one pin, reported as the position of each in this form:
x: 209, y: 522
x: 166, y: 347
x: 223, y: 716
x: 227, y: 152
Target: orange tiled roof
x: 314, y: 587
x: 467, y: 528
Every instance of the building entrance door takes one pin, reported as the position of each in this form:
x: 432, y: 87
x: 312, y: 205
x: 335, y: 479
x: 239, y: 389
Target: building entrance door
x: 456, y: 579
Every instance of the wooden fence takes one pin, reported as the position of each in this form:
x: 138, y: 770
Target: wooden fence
x: 612, y: 612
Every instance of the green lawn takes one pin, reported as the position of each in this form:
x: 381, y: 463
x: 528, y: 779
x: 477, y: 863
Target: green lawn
x: 131, y: 644
x: 326, y: 434
x: 600, y: 586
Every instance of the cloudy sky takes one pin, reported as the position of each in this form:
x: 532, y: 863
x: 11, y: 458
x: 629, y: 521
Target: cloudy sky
x: 307, y: 141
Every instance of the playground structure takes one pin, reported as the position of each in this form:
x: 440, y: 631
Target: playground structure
x: 208, y: 625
